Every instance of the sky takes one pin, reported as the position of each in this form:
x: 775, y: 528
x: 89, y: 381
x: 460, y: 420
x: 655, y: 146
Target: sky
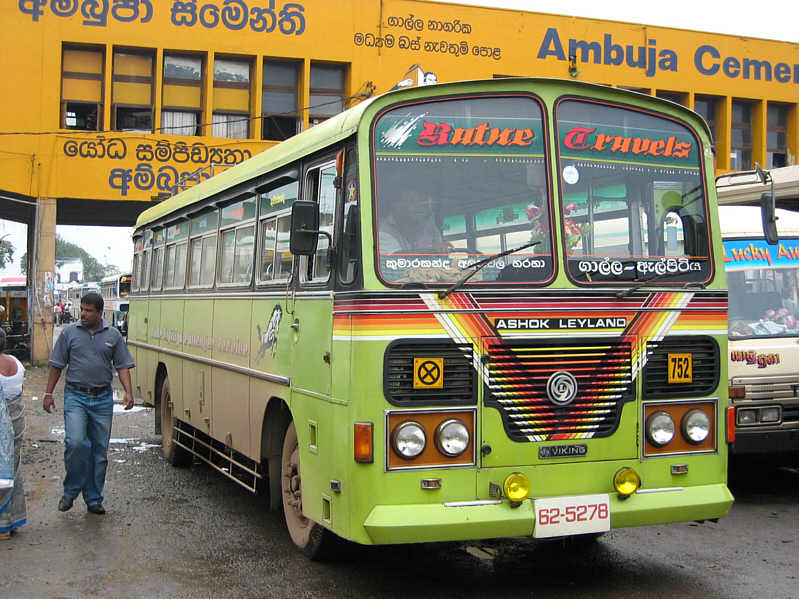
x: 108, y: 245
x: 772, y: 19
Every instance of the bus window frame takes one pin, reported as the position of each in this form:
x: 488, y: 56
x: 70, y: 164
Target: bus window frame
x: 176, y: 247
x: 273, y: 180
x: 234, y: 228
x: 158, y: 251
x: 201, y: 237
x: 350, y: 156
x: 318, y: 164
x: 561, y: 217
x: 275, y: 217
x: 146, y: 260
x: 134, y: 282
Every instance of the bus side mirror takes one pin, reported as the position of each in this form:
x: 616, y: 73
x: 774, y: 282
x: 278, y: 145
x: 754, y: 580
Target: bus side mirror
x: 769, y: 216
x: 304, y: 228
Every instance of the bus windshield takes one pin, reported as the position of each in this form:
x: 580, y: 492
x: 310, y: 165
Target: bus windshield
x: 634, y: 201
x: 763, y: 288
x: 457, y: 180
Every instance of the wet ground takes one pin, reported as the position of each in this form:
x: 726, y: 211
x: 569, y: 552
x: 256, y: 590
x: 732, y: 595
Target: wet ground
x: 193, y: 533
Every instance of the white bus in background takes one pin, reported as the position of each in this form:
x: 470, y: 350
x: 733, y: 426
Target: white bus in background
x: 763, y: 322
x: 115, y: 290
x: 74, y: 294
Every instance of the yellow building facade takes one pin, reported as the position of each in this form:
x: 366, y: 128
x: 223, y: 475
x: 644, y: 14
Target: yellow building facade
x: 132, y: 99
x: 111, y: 105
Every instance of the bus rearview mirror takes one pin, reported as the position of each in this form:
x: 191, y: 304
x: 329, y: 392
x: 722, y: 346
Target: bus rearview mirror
x: 769, y: 216
x: 304, y: 228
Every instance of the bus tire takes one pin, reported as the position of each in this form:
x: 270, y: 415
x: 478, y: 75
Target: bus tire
x: 312, y: 539
x: 173, y: 453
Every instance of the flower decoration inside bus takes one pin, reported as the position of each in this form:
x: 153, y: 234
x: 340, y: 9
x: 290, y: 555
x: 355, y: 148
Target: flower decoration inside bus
x: 539, y: 227
x: 574, y: 232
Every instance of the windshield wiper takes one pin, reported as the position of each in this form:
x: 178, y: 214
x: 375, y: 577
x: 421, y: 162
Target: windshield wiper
x: 621, y: 293
x: 478, y: 266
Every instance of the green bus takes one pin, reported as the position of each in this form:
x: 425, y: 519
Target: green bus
x: 469, y: 310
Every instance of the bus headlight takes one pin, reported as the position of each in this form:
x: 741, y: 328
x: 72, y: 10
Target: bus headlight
x: 770, y: 414
x: 408, y: 440
x: 452, y: 437
x: 747, y: 416
x: 695, y: 426
x: 659, y: 429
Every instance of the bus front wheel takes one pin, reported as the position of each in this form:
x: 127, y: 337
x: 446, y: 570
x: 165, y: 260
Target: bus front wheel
x: 312, y: 539
x: 173, y: 453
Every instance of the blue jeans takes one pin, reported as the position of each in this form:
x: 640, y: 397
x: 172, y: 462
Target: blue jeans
x: 87, y: 424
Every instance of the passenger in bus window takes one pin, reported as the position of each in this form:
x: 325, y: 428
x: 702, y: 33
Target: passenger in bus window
x: 409, y: 224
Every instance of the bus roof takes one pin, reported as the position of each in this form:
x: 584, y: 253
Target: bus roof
x: 786, y: 189
x: 745, y: 221
x: 346, y: 123
x: 114, y: 278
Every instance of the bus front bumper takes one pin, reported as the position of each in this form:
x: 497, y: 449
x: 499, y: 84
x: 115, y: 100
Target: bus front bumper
x: 388, y: 524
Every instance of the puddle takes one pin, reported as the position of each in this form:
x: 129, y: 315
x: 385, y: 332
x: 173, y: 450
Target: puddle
x: 141, y: 447
x: 120, y: 409
x: 122, y: 441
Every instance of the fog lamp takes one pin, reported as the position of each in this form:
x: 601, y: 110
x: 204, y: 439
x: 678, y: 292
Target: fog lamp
x: 771, y: 414
x: 517, y: 487
x: 746, y: 416
x: 626, y: 481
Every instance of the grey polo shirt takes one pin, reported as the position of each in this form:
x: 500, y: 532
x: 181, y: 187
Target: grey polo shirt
x: 90, y: 359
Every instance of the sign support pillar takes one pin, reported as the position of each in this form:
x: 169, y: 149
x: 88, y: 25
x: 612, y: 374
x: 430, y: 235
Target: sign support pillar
x: 43, y: 281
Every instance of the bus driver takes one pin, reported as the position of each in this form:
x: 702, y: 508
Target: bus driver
x: 409, y: 225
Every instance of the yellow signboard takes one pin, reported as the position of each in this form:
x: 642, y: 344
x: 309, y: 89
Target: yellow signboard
x: 680, y: 368
x: 428, y: 373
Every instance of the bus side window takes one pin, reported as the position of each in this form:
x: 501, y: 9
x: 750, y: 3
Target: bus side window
x: 158, y: 270
x: 349, y: 256
x: 135, y: 271
x: 208, y: 269
x: 245, y: 252
x: 319, y: 187
x: 145, y: 276
x: 268, y: 238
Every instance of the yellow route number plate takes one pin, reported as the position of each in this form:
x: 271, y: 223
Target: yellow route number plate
x: 681, y: 368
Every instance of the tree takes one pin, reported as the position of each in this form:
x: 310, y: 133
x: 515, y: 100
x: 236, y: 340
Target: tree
x: 92, y: 269
x: 6, y: 252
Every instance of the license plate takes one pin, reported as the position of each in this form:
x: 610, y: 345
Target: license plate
x: 563, y: 516
x: 681, y: 368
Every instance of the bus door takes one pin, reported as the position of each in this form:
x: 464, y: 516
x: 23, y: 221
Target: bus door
x: 312, y: 318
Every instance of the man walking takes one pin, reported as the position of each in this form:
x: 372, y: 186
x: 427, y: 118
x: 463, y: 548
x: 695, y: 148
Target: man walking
x: 89, y: 349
